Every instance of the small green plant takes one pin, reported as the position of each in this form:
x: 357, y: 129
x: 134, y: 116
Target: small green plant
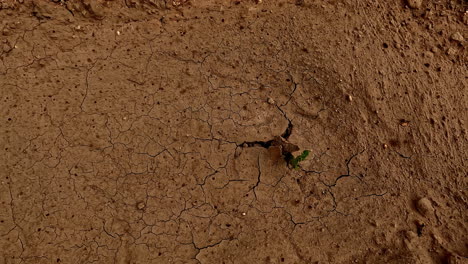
x: 294, y: 161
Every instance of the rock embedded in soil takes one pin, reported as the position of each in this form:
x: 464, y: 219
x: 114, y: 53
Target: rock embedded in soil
x: 451, y: 51
x: 424, y: 206
x: 457, y: 36
x: 415, y: 3
x: 141, y: 205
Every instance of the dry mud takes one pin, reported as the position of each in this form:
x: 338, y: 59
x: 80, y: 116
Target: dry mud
x: 141, y: 131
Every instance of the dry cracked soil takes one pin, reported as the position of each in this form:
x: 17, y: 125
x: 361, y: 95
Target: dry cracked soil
x: 150, y: 131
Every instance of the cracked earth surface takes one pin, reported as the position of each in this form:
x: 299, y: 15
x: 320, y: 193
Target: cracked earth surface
x: 140, y: 132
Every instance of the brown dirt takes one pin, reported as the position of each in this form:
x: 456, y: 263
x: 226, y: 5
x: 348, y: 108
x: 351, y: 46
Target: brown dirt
x: 141, y: 131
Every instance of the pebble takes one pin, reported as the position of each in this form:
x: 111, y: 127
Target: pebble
x: 349, y: 98
x: 404, y: 123
x: 451, y: 51
x: 457, y: 36
x: 270, y: 100
x: 424, y: 206
x: 415, y: 3
x: 141, y: 205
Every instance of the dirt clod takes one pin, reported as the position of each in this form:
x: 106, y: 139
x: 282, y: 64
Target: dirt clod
x: 141, y: 205
x: 424, y: 206
x: 457, y: 36
x: 451, y: 51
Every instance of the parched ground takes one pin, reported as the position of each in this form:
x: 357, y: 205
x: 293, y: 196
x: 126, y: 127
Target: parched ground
x: 142, y: 131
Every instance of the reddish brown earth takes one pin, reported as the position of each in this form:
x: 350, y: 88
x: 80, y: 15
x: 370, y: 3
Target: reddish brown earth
x: 140, y: 131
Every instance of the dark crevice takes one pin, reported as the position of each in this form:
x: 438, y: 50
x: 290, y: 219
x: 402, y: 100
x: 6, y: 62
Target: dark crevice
x: 263, y: 144
x: 288, y: 130
x: 277, y: 140
x: 280, y: 142
x: 420, y: 229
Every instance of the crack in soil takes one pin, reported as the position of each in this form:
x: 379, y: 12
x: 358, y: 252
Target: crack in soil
x: 277, y: 140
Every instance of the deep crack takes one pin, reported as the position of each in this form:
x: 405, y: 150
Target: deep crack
x: 277, y: 140
x: 288, y: 130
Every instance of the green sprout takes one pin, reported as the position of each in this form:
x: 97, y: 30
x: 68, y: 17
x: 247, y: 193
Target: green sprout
x: 294, y: 161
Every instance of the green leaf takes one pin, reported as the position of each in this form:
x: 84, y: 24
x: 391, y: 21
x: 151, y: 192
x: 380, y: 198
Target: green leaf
x: 303, y: 156
x: 294, y: 161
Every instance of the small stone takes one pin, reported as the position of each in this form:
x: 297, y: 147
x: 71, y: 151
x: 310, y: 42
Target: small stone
x: 424, y: 206
x: 271, y: 101
x: 451, y: 51
x: 141, y: 205
x: 415, y: 3
x: 349, y: 98
x: 457, y: 36
x: 404, y: 123
x: 118, y: 33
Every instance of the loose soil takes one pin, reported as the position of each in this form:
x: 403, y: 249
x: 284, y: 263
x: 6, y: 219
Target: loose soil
x: 150, y: 131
